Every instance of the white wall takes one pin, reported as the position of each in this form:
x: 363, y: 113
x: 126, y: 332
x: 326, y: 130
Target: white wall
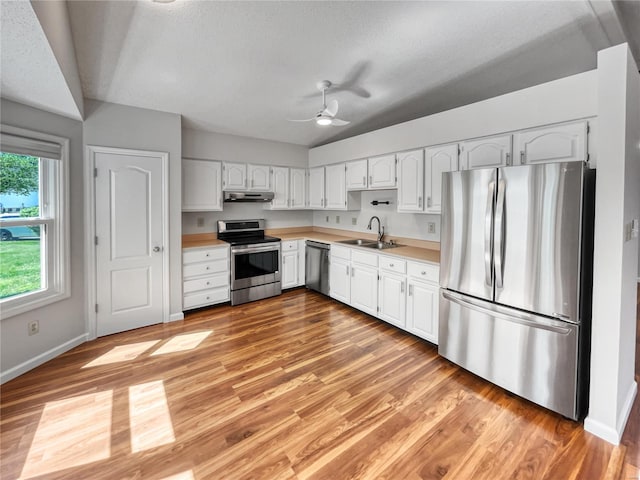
x: 232, y: 148
x: 565, y: 99
x: 613, y: 387
x: 112, y: 125
x: 62, y: 324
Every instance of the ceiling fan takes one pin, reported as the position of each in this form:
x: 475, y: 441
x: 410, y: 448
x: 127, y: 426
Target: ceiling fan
x: 327, y: 115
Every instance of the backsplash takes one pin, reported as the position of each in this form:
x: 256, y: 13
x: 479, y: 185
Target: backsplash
x: 410, y: 225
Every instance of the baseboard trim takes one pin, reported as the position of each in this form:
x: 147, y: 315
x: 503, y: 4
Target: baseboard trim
x: 175, y: 317
x: 38, y: 360
x: 608, y: 433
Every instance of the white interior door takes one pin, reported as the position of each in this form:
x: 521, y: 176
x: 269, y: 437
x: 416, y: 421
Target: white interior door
x: 130, y: 231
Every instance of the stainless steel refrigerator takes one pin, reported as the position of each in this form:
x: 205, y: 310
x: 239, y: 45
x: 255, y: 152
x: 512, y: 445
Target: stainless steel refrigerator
x: 515, y: 277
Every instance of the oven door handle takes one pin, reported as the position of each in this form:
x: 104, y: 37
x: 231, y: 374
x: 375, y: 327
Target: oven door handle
x: 241, y: 250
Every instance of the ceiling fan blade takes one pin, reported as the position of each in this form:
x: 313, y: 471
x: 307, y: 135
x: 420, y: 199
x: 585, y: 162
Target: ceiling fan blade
x: 336, y: 122
x: 305, y: 120
x: 332, y: 108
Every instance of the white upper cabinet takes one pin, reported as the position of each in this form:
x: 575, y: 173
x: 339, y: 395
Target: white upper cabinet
x: 411, y: 181
x: 382, y: 171
x: 316, y: 187
x: 234, y: 176
x: 556, y: 143
x: 298, y: 188
x: 489, y: 152
x: 280, y: 182
x: 335, y: 187
x: 201, y: 185
x: 357, y: 175
x: 258, y: 177
x: 438, y: 160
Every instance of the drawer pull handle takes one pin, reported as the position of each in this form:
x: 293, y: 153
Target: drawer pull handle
x: 208, y: 283
x: 207, y: 298
x: 391, y: 265
x: 423, y: 273
x: 207, y: 255
x: 207, y: 268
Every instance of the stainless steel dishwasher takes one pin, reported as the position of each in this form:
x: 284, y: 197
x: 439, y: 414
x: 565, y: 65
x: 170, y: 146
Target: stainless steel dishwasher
x: 317, y: 266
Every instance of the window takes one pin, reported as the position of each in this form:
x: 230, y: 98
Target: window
x: 34, y: 251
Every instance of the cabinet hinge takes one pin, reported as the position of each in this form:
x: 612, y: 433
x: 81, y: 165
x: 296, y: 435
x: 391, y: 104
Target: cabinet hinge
x: 96, y: 308
x: 460, y: 150
x: 95, y: 172
x: 588, y: 128
x: 588, y: 156
x: 345, y: 167
x: 96, y: 240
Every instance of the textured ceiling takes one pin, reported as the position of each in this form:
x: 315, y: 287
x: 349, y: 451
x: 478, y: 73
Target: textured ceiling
x: 245, y: 67
x: 30, y: 73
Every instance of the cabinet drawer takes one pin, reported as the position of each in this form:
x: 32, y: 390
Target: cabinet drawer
x: 289, y: 245
x: 213, y: 281
x: 205, y: 268
x: 393, y: 264
x: 206, y: 297
x: 193, y: 255
x: 423, y: 271
x: 340, y: 252
x: 364, y: 258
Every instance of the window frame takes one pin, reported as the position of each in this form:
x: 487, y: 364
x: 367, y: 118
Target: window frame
x: 54, y: 216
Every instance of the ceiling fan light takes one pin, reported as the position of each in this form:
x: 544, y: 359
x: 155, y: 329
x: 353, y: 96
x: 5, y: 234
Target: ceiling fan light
x: 323, y: 121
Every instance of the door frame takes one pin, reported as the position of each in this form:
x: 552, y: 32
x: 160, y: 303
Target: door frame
x: 90, y: 230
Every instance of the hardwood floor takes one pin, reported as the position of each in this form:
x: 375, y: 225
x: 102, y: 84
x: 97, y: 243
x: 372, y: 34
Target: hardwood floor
x: 294, y: 387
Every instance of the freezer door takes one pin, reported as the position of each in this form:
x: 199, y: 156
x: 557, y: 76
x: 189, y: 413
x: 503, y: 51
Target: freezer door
x: 538, y: 238
x: 468, y: 199
x: 529, y: 355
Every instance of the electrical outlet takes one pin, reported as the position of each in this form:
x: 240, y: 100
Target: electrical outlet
x: 200, y: 222
x: 33, y: 327
x: 326, y: 219
x: 431, y: 227
x: 337, y: 218
x: 354, y: 221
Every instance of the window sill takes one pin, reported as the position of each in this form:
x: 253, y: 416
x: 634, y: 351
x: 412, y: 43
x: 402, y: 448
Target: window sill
x: 11, y: 307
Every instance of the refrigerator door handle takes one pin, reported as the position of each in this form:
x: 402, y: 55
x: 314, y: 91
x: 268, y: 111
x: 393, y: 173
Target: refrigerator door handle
x: 499, y: 235
x: 488, y: 234
x: 509, y: 314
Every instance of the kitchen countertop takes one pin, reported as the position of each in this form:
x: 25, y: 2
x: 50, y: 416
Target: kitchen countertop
x: 404, y: 251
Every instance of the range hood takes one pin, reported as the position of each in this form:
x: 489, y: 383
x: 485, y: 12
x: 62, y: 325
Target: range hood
x: 248, y: 196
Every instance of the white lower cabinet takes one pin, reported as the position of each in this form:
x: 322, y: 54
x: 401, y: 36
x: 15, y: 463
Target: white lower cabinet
x: 292, y: 264
x: 392, y: 298
x: 340, y: 280
x: 422, y: 310
x: 205, y: 272
x: 364, y: 288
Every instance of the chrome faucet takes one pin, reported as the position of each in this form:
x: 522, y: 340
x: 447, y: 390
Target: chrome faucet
x: 380, y: 227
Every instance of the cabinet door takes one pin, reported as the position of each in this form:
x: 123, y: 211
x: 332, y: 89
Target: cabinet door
x: 234, y: 176
x: 411, y: 181
x: 382, y: 171
x: 491, y: 152
x: 258, y: 177
x: 280, y: 182
x: 201, y: 185
x: 335, y: 187
x: 301, y: 261
x: 357, y: 175
x: 392, y: 299
x: 340, y: 280
x: 422, y: 310
x: 289, y: 269
x: 555, y: 143
x: 316, y: 187
x: 297, y: 188
x: 437, y: 161
x: 364, y: 288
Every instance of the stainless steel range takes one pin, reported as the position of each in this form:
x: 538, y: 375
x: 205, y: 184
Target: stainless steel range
x: 255, y: 260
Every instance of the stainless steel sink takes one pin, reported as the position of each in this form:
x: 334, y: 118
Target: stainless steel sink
x: 358, y: 241
x: 381, y: 245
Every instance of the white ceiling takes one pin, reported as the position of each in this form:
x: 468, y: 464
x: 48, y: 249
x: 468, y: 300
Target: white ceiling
x: 245, y: 67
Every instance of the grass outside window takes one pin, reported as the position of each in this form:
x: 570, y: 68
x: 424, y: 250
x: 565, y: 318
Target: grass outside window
x: 20, y: 267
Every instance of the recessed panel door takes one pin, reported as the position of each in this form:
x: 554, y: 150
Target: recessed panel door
x: 129, y: 252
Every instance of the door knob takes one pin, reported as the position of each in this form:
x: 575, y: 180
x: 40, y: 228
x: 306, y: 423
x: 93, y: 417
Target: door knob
x: 157, y: 249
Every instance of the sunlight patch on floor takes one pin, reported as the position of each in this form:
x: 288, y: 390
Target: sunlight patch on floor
x: 71, y: 432
x: 149, y: 416
x: 122, y: 353
x: 182, y: 343
x: 187, y: 475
